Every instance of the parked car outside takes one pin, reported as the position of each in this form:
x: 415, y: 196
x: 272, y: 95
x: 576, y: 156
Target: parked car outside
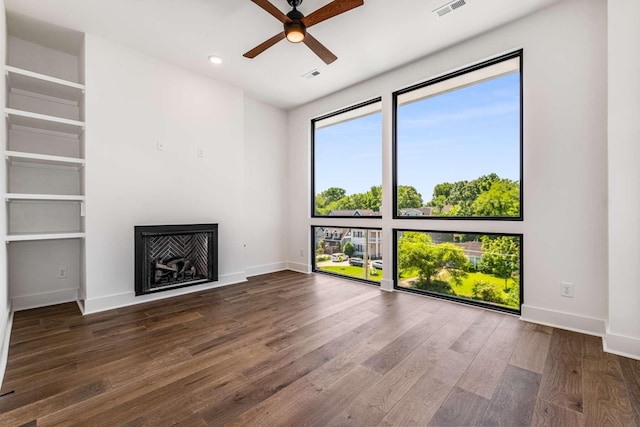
x: 356, y: 261
x: 339, y: 257
x: 377, y: 264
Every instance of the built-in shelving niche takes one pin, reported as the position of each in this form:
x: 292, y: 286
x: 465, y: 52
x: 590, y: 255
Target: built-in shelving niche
x: 45, y: 195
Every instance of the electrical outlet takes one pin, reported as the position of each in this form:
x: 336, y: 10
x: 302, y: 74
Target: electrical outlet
x: 566, y: 289
x: 62, y: 272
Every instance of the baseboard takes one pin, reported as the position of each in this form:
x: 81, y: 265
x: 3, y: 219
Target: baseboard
x: 27, y: 302
x: 622, y: 345
x: 4, y: 343
x: 300, y: 268
x: 266, y: 268
x: 110, y: 302
x: 568, y: 321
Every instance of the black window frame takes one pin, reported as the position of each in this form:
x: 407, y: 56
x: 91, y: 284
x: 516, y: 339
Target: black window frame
x: 452, y: 298
x: 313, y: 153
x: 314, y: 268
x: 394, y: 138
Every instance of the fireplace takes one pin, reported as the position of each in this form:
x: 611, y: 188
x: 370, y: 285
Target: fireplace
x: 174, y: 256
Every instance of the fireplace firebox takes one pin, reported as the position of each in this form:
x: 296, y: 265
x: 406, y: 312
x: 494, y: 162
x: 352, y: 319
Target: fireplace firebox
x: 174, y: 256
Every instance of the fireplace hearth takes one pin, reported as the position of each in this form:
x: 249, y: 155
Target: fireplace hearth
x: 174, y: 256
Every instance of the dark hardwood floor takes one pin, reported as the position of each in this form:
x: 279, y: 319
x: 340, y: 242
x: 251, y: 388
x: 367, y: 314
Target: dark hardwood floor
x: 301, y: 350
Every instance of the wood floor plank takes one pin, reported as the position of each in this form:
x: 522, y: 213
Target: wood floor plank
x: 295, y: 349
x: 397, y: 382
x: 423, y: 400
x: 400, y: 348
x: 475, y: 337
x: 547, y: 414
x: 561, y: 382
x: 531, y: 351
x: 460, y: 408
x: 606, y: 400
x: 486, y: 370
x: 631, y: 374
x: 323, y: 407
x: 514, y: 400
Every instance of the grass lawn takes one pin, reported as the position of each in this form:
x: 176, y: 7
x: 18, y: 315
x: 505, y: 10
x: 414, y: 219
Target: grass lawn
x: 351, y: 271
x: 465, y: 288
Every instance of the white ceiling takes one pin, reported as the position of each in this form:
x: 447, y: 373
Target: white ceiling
x: 368, y: 40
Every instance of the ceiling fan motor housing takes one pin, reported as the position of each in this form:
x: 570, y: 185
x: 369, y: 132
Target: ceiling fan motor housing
x: 295, y: 26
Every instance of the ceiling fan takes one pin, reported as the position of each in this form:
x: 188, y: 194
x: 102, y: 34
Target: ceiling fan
x: 296, y: 24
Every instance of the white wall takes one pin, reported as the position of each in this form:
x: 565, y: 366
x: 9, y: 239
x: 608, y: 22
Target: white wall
x: 623, y: 334
x: 565, y: 166
x: 265, y: 161
x: 132, y: 101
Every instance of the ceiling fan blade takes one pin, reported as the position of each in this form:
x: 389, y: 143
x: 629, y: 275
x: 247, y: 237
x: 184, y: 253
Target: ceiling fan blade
x: 274, y: 11
x: 319, y: 49
x: 264, y: 46
x: 336, y: 7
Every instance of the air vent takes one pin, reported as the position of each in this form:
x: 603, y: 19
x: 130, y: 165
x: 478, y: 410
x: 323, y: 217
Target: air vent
x: 311, y: 74
x: 450, y: 7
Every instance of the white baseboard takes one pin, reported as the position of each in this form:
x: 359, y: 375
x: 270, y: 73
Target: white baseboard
x: 266, y: 268
x: 568, y: 321
x: 300, y: 268
x: 109, y: 302
x: 5, y: 336
x: 27, y: 302
x: 622, y: 345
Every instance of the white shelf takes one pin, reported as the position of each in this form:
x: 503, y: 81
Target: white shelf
x: 22, y: 237
x: 45, y: 197
x: 43, y: 159
x: 41, y: 85
x: 43, y: 77
x: 27, y: 120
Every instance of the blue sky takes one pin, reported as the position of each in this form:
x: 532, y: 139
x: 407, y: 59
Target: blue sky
x: 459, y: 135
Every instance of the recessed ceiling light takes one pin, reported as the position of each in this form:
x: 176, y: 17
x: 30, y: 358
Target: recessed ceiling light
x: 215, y: 59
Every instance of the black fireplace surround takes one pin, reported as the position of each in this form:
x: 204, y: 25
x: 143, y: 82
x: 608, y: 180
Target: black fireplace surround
x: 174, y: 256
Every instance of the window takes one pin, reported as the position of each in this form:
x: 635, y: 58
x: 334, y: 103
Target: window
x: 482, y: 269
x: 458, y: 144
x: 357, y: 253
x: 347, y: 162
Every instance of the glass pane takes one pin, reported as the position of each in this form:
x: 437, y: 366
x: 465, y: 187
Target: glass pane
x: 347, y: 153
x: 349, y: 252
x: 458, y: 145
x: 478, y: 267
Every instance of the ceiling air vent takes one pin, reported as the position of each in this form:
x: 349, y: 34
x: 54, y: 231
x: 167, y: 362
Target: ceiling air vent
x: 311, y: 74
x: 450, y: 7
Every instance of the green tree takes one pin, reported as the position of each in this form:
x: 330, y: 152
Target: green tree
x: 408, y: 197
x: 443, y: 190
x: 416, y: 251
x: 372, y: 199
x: 502, y: 199
x: 333, y: 194
x: 501, y: 256
x: 349, y: 248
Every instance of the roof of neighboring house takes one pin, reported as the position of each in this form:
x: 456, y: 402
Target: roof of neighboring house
x: 354, y: 212
x: 333, y: 230
x: 423, y: 211
x: 471, y: 248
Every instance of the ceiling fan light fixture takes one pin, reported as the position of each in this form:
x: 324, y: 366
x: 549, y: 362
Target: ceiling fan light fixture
x: 295, y: 32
